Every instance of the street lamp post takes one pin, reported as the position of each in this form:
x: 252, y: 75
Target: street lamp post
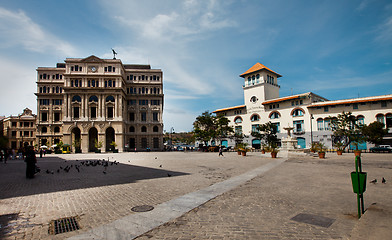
x: 171, y: 137
x: 311, y: 130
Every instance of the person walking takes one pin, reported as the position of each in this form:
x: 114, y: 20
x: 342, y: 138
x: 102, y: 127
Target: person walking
x: 30, y: 162
x: 220, y: 151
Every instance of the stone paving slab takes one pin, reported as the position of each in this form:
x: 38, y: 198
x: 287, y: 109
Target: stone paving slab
x: 136, y: 224
x: 98, y: 198
x: 263, y: 208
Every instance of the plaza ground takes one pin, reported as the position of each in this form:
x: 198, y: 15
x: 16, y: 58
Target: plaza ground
x: 261, y: 208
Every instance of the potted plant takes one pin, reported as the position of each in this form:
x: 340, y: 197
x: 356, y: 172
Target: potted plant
x: 313, y: 147
x: 321, y: 150
x: 339, y: 148
x: 242, y: 148
x: 77, y: 143
x: 98, y: 146
x: 58, y: 148
x: 114, y: 145
x: 263, y: 148
x: 274, y: 150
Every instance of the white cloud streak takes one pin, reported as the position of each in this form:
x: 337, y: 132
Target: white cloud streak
x: 17, y: 29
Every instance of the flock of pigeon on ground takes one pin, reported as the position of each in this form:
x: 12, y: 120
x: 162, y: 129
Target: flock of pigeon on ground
x: 87, y: 163
x: 90, y: 163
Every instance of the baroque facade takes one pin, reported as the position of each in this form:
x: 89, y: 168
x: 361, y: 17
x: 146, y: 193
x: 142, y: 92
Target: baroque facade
x: 19, y: 129
x: 308, y: 114
x: 91, y: 100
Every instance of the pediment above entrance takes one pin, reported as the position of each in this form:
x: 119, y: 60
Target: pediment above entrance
x: 92, y: 58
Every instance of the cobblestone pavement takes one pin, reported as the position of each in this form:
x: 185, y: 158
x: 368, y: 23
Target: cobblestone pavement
x: 263, y: 208
x: 28, y: 205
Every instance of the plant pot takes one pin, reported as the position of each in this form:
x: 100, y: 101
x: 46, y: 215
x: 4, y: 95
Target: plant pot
x: 243, y: 153
x: 274, y: 154
x: 321, y: 154
x: 357, y: 152
x: 262, y: 151
x: 78, y: 150
x: 98, y: 151
x: 239, y: 152
x: 339, y: 152
x: 115, y: 151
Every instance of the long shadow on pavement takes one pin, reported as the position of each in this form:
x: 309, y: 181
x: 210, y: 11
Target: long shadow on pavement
x: 54, y: 178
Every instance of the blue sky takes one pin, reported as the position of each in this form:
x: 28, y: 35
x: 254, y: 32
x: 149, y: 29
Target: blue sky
x: 336, y: 49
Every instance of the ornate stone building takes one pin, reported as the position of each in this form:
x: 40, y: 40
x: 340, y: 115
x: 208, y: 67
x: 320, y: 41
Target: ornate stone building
x: 91, y: 100
x: 19, y: 129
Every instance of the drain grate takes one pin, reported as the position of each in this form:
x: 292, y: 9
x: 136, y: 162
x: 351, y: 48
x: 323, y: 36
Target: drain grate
x: 314, y: 220
x: 63, y: 225
x: 142, y: 208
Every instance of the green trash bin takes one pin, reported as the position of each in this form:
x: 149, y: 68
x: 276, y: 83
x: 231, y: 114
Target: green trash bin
x: 362, y: 179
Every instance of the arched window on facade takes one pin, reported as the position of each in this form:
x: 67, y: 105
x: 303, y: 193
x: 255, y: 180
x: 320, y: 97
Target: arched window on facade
x: 320, y: 124
x: 238, y: 120
x: 109, y: 99
x: 93, y: 99
x: 274, y: 115
x: 76, y: 98
x: 360, y: 120
x: 56, y: 129
x: 131, y: 129
x: 297, y: 112
x: 155, y: 129
x: 144, y: 129
x: 380, y: 118
x: 44, y: 130
x: 255, y: 117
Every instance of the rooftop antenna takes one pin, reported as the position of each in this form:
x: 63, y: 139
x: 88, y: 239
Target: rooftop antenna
x: 114, y: 53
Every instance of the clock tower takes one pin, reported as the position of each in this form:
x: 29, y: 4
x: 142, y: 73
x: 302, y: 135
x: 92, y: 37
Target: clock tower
x: 260, y: 85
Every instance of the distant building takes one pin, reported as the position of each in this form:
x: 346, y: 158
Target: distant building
x: 308, y: 113
x: 19, y: 129
x: 100, y: 100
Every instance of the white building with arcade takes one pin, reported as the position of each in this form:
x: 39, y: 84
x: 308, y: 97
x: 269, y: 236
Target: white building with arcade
x: 308, y: 113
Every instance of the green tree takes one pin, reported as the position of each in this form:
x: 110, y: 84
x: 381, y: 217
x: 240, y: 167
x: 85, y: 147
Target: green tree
x: 3, y: 142
x: 204, y: 127
x: 208, y: 127
x: 267, y: 133
x: 347, y: 128
x: 374, y: 132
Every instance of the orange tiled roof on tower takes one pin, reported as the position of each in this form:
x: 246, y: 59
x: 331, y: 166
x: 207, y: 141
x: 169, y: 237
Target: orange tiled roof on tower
x: 258, y: 67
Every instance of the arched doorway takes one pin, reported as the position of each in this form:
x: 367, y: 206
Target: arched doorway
x: 256, y: 143
x: 224, y: 143
x: 75, y: 138
x: 92, y: 137
x: 109, y: 139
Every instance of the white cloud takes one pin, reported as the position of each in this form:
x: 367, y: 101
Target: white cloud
x: 17, y: 29
x: 384, y: 31
x: 18, y: 87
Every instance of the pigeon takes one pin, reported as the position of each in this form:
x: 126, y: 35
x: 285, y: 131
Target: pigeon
x: 156, y: 157
x: 383, y: 180
x: 104, y: 172
x: 169, y: 175
x: 160, y: 165
x: 373, y: 181
x: 47, y: 171
x: 58, y: 170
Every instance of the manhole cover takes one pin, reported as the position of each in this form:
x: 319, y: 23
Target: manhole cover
x: 142, y: 208
x: 63, y: 225
x: 314, y: 220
